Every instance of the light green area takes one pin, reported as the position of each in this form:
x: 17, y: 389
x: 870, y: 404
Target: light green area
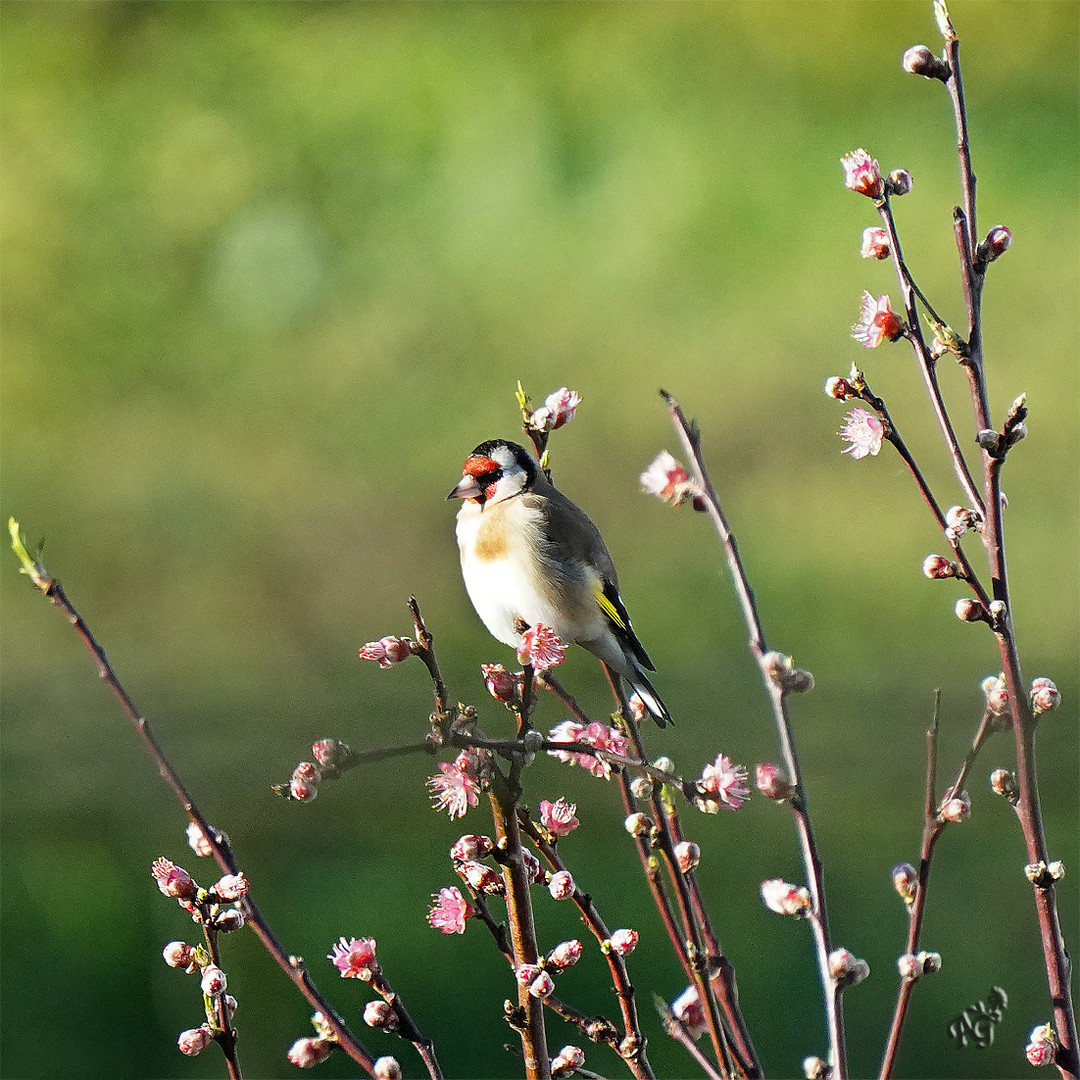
x: 270, y: 270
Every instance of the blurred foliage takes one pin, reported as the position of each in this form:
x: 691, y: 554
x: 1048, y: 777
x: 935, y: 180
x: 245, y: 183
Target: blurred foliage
x: 272, y: 269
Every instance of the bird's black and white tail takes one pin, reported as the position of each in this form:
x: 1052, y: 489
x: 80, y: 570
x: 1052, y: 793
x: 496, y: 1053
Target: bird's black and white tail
x: 639, y: 683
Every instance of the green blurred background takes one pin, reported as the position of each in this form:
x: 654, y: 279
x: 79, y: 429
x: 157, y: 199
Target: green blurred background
x: 271, y: 270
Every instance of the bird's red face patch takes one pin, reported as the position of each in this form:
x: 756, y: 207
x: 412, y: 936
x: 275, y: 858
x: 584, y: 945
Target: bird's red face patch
x: 480, y: 465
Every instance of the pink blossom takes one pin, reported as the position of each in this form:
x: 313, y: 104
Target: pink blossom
x: 541, y: 648
x: 667, y: 479
x: 525, y: 973
x: 303, y: 790
x: 355, y: 958
x: 863, y: 174
x: 213, y: 980
x: 772, y: 783
x: 863, y: 431
x: 1042, y: 1045
x: 387, y: 651
x: 543, y: 986
x: 558, y: 409
x: 173, y: 880
x: 450, y: 912
x: 561, y: 885
x: 482, y: 878
x: 502, y: 685
x: 687, y: 1008
x: 724, y: 786
x: 454, y: 791
x: 877, y: 322
x: 623, y: 942
x: 595, y: 734
x: 558, y: 817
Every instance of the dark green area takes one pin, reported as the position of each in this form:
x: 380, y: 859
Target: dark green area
x: 271, y: 270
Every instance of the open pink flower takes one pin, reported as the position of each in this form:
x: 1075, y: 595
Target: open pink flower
x: 450, y: 912
x: 454, y: 791
x: 724, y: 786
x: 541, y: 648
x: 667, y: 479
x: 355, y: 958
x: 877, y: 322
x: 594, y: 734
x: 558, y: 817
x: 863, y: 431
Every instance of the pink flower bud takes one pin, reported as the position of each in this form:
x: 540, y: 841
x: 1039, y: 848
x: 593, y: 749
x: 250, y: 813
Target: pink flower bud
x: 558, y: 409
x: 504, y: 686
x: 667, y: 479
x: 386, y: 1068
x: 195, y: 1040
x: 309, y: 1052
x: 213, y: 980
x: 637, y: 825
x: 561, y: 885
x: 899, y: 182
x: 687, y: 855
x: 229, y: 920
x: 785, y: 898
x: 565, y: 954
x: 968, y: 610
x: 838, y: 388
x: 197, y: 840
x: 956, y: 809
x: 772, y: 783
x: 862, y: 174
x: 173, y: 880
x: 1042, y: 1046
x: 998, y: 240
x: 919, y: 60
x: 567, y: 1061
x: 482, y: 878
x: 526, y: 973
x: 379, y: 1014
x: 1002, y: 782
x: 178, y: 954
x: 996, y: 693
x: 623, y: 942
x: 543, y: 986
x: 875, y: 243
x: 687, y: 1008
x: 231, y: 887
x: 302, y: 790
x: 387, y: 651
x: 1044, y: 696
x: 471, y: 847
x: 905, y: 881
x: 332, y: 753
x: 937, y: 567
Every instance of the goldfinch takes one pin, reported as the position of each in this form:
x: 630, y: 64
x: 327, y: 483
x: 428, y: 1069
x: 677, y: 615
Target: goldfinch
x: 528, y: 553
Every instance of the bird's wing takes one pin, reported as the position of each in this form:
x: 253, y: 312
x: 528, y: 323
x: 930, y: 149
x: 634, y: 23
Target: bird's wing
x: 607, y: 596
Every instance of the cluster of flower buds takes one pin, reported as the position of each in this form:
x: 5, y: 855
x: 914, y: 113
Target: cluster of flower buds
x: 558, y: 818
x: 388, y: 651
x: 558, y: 409
x: 781, y: 670
x: 919, y: 60
x: 667, y: 479
x: 905, y: 882
x: 332, y: 757
x: 1044, y: 696
x: 1044, y: 874
x: 536, y: 979
x: 785, y: 898
x: 915, y: 965
x: 211, y: 907
x: 1042, y: 1045
x: 459, y: 783
x: 772, y: 783
x: 304, y: 782
x: 593, y: 734
x: 846, y: 968
x: 722, y: 786
x: 540, y: 648
x: 567, y: 1061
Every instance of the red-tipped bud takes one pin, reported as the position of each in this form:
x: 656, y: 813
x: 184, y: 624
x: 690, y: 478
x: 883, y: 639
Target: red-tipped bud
x: 561, y: 885
x: 1044, y: 696
x: 839, y: 388
x: 173, y: 880
x: 195, y: 1040
x: 482, y: 878
x: 565, y: 954
x: 332, y: 753
x: 919, y: 60
x: 387, y: 651
x: 1042, y: 1046
x: 179, y: 954
x: 998, y: 240
x: 231, y: 887
x: 623, y: 942
x: 471, y: 847
x: 309, y: 1052
x: 543, y: 986
x: 567, y: 1061
x: 996, y: 692
x: 213, y: 980
x: 380, y: 1014
x: 503, y: 685
x: 772, y: 783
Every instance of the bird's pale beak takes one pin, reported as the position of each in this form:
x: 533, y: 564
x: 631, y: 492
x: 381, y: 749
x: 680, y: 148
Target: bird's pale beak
x: 467, y: 488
